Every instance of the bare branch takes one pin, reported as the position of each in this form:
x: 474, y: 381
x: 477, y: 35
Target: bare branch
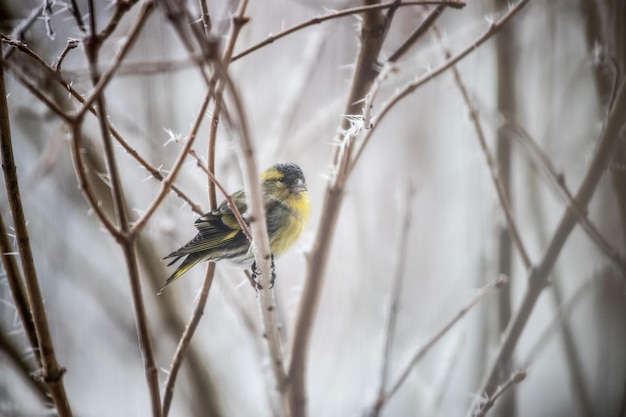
x: 185, y: 339
x: 125, y: 238
x: 515, y: 379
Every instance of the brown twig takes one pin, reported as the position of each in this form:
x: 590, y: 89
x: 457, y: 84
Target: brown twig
x: 50, y: 372
x: 538, y: 275
x: 185, y: 339
x: 515, y: 379
x: 71, y: 44
x: 417, y: 33
x: 198, y: 310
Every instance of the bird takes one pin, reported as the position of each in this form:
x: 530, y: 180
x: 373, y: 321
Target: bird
x: 221, y: 238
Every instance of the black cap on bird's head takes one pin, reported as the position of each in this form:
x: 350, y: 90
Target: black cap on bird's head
x: 288, y: 174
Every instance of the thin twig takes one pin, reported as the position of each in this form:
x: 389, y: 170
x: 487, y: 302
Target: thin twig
x: 417, y: 33
x: 71, y: 44
x: 515, y: 379
x: 561, y: 317
x: 185, y: 339
x: 36, y: 91
x: 20, y: 30
x: 75, y: 11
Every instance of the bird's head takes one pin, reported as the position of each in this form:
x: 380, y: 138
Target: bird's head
x: 283, y: 180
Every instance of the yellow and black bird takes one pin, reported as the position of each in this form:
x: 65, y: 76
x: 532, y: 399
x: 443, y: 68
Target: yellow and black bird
x: 220, y: 238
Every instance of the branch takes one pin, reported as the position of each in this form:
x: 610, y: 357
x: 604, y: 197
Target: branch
x: 373, y: 32
x: 126, y: 239
x: 260, y: 240
x: 50, y: 372
x: 539, y: 275
x: 185, y: 340
x: 515, y: 379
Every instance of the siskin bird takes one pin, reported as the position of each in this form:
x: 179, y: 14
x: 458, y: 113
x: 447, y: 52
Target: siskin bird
x: 220, y: 237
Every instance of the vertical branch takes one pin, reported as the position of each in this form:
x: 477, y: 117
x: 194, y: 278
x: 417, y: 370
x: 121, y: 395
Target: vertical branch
x: 185, y: 339
x: 260, y: 239
x: 373, y: 32
x: 125, y: 239
x: 51, y: 373
x: 505, y: 91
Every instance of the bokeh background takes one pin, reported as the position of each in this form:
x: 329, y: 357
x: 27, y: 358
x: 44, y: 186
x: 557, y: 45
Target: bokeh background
x: 558, y: 57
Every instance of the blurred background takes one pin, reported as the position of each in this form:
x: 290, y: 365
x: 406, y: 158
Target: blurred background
x: 550, y: 72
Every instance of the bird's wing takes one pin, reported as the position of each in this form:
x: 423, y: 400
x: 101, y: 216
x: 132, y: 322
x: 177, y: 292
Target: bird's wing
x: 209, y: 239
x: 223, y: 216
x: 217, y: 229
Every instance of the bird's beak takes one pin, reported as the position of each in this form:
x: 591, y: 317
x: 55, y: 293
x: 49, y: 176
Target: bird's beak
x: 298, y: 186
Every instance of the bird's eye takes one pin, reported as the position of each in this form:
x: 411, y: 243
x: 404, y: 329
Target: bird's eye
x: 282, y: 179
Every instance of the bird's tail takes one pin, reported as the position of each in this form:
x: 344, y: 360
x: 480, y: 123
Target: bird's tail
x: 187, y: 264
